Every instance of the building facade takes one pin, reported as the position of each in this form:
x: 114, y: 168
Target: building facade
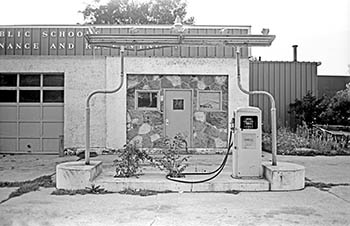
x: 47, y: 72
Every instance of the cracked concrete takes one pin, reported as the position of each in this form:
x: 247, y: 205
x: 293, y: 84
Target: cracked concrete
x: 311, y: 206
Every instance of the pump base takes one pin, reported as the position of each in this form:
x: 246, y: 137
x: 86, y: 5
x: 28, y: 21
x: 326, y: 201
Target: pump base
x: 77, y: 175
x: 285, y: 176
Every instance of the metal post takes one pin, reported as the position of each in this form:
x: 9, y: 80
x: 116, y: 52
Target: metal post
x: 87, y: 145
x: 87, y: 150
x: 61, y: 146
x: 273, y: 109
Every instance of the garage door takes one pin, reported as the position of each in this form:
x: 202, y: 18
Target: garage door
x: 31, y: 112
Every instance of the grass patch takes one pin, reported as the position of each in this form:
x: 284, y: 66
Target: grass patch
x: 43, y: 181
x: 306, y: 142
x: 97, y: 190
x: 143, y: 192
x: 323, y: 186
x: 234, y: 192
x: 28, y: 186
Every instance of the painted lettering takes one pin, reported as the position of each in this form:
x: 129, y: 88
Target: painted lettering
x: 45, y: 34
x: 27, y: 34
x: 35, y: 45
x: 80, y: 34
x: 62, y: 45
x: 18, y: 45
x: 9, y: 34
x: 18, y: 34
x: 2, y: 45
x: 87, y: 46
x: 27, y: 45
x: 53, y: 46
x: 9, y: 46
x: 71, y: 34
x: 53, y: 34
x: 70, y: 46
x: 2, y: 33
x: 62, y: 34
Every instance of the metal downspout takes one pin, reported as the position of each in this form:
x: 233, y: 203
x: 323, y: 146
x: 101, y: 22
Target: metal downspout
x: 87, y: 147
x: 273, y: 109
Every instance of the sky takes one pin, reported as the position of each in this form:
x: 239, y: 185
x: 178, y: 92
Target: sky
x: 320, y: 28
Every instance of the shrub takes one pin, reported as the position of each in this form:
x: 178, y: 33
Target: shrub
x: 338, y: 110
x: 306, y: 141
x: 171, y: 160
x: 309, y: 109
x: 324, y: 110
x: 129, y: 160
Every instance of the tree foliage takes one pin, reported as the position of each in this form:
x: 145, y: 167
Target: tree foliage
x: 133, y: 12
x: 325, y: 110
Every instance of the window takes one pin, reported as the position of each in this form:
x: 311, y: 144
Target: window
x: 147, y: 100
x: 29, y: 96
x: 8, y: 80
x: 53, y: 96
x: 209, y: 100
x: 53, y: 80
x: 8, y: 96
x: 31, y: 88
x: 29, y: 80
x: 178, y: 104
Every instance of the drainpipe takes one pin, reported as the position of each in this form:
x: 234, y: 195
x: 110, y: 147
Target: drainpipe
x: 273, y: 109
x: 87, y: 148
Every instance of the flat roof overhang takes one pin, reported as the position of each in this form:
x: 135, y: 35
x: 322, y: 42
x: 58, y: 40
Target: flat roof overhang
x: 193, y: 40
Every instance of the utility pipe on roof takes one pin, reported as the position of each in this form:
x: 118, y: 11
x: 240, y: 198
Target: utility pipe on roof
x: 273, y: 109
x: 87, y: 148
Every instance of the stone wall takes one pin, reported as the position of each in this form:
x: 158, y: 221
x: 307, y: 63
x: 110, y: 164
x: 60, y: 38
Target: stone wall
x: 146, y: 126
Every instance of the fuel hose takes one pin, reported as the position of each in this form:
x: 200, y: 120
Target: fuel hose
x: 215, y: 172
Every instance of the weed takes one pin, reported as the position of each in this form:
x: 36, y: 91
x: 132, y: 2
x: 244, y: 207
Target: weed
x: 171, y: 160
x: 323, y: 186
x: 128, y: 163
x: 142, y: 192
x: 306, y: 141
x: 43, y: 181
x: 88, y: 190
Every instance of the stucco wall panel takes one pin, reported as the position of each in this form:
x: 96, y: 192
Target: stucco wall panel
x: 82, y: 76
x: 108, y: 113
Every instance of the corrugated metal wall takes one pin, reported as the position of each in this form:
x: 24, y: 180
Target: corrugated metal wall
x: 69, y: 40
x: 286, y: 81
x: 329, y: 85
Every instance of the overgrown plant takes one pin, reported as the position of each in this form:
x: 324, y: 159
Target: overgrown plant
x: 324, y: 110
x: 306, y: 141
x: 309, y: 109
x: 171, y: 160
x: 130, y: 158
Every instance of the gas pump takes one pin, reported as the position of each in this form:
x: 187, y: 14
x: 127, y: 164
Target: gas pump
x: 246, y: 152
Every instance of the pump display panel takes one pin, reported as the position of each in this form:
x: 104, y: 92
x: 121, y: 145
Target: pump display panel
x: 249, y: 122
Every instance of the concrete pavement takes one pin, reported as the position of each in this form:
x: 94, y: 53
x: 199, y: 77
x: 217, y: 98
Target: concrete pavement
x: 311, y: 206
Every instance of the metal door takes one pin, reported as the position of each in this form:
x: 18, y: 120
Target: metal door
x: 178, y: 113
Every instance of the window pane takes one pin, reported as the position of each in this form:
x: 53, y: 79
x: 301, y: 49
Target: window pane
x: 53, y: 80
x: 29, y: 96
x: 8, y: 80
x: 209, y: 101
x: 53, y: 96
x: 29, y: 80
x: 8, y: 96
x: 147, y: 99
x: 178, y: 104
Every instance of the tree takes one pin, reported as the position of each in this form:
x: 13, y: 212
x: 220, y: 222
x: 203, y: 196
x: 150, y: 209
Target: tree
x: 133, y: 12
